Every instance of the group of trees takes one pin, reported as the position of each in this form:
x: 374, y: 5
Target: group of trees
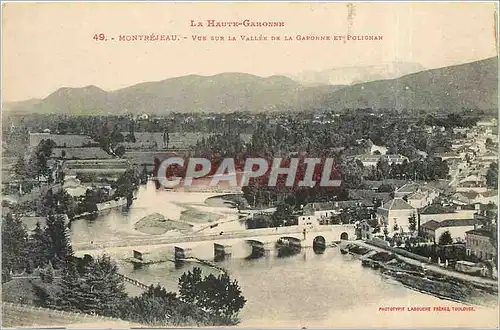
x: 432, y: 168
x: 110, y: 140
x: 23, y: 252
x: 94, y: 286
x: 36, y: 166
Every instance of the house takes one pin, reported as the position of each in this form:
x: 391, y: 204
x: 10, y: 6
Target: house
x: 418, y: 199
x: 368, y: 197
x: 396, y: 159
x: 445, y: 213
x: 372, y: 160
x: 487, y: 197
x: 474, y: 183
x: 472, y: 186
x: 369, y: 160
x: 417, y: 195
x: 464, y: 197
x: 394, y: 215
x: 406, y: 190
x: 456, y: 227
x: 481, y: 243
x: 318, y: 213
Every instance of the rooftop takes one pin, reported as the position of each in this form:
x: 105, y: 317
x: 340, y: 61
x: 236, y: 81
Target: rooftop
x: 433, y: 224
x: 408, y: 188
x: 397, y: 204
x: 480, y: 232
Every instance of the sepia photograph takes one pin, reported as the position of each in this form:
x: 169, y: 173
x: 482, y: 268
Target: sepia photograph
x: 249, y: 164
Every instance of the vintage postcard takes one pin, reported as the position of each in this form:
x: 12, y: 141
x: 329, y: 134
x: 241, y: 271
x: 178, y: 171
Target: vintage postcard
x: 257, y: 164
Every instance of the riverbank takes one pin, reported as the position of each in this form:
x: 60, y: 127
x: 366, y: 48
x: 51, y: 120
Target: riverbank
x: 425, y: 278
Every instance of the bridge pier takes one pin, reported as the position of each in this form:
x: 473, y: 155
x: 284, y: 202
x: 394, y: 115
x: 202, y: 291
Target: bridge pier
x: 258, y: 249
x: 180, y: 256
x: 221, y: 252
x: 287, y: 246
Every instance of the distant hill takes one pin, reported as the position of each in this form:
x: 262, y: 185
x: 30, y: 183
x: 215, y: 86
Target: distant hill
x: 357, y: 74
x: 226, y: 92
x: 472, y: 85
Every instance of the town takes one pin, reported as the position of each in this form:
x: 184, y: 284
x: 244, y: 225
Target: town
x: 338, y: 170
x: 421, y: 195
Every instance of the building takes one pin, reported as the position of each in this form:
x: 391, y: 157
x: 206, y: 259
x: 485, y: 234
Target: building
x: 394, y: 215
x: 321, y: 213
x: 471, y: 197
x: 406, y: 190
x: 456, y: 227
x: 448, y: 214
x: 372, y: 160
x: 472, y: 183
x: 418, y: 199
x: 481, y: 243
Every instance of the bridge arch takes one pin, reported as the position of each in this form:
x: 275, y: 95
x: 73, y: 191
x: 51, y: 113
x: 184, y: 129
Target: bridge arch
x: 344, y: 236
x: 319, y: 244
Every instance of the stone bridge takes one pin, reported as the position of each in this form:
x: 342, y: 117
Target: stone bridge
x: 266, y: 235
x: 262, y: 242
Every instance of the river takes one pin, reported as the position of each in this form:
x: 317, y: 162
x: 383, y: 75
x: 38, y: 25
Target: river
x: 306, y: 290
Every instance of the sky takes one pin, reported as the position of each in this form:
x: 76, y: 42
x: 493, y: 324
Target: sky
x: 46, y: 46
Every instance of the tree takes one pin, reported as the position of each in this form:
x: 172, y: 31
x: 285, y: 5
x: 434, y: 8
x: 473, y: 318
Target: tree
x: 70, y: 297
x: 95, y: 289
x: 492, y: 176
x: 216, y: 295
x: 39, y: 246
x: 47, y: 275
x: 57, y: 238
x: 282, y: 214
x: 14, y: 244
x: 38, y: 162
x: 120, y: 151
x: 383, y: 168
x: 412, y: 220
x: 445, y: 238
x: 385, y: 188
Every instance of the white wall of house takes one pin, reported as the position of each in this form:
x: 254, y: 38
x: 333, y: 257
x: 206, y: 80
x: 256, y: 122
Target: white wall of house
x: 306, y: 220
x: 417, y: 203
x: 476, y: 189
x: 457, y: 233
x: 460, y: 214
x: 399, y: 217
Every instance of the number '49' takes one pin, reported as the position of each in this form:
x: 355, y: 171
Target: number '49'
x: 99, y: 37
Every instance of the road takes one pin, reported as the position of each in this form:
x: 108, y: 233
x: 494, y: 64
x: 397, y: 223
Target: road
x: 432, y: 267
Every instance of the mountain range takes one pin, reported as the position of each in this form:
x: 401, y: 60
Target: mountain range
x: 472, y: 85
x: 357, y: 74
